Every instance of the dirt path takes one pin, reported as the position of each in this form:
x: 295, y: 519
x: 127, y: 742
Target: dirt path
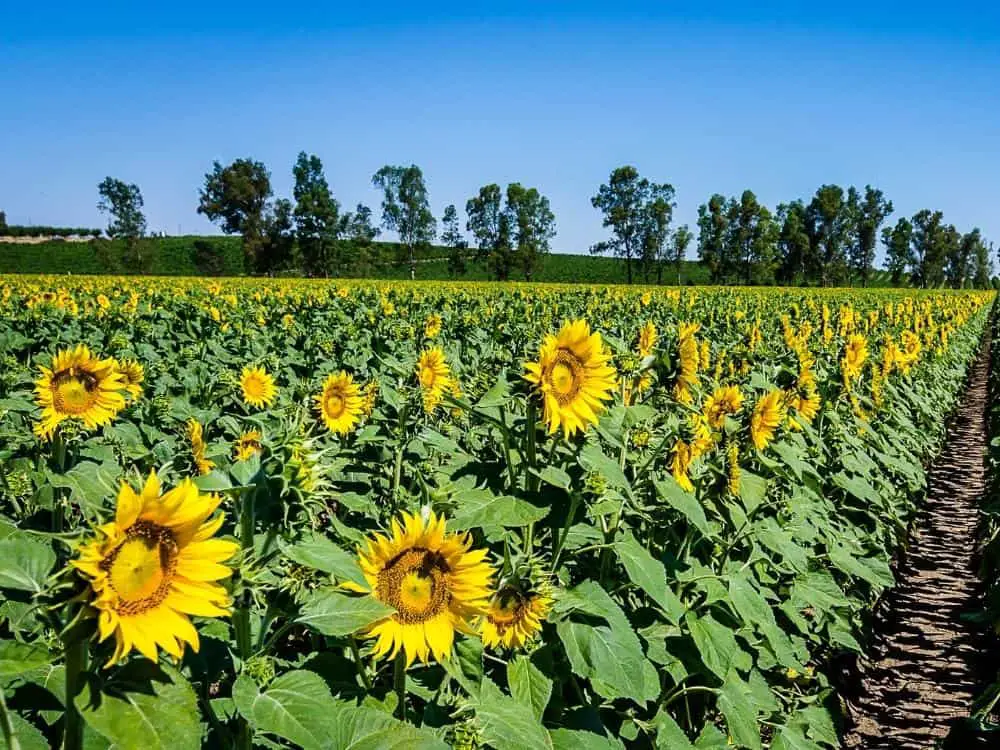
x: 926, y: 664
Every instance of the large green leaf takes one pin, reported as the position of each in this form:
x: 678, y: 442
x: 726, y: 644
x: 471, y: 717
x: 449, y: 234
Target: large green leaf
x: 717, y: 645
x: 669, y: 735
x: 648, y: 573
x: 25, y: 563
x: 685, y: 503
x: 334, y: 613
x: 741, y: 717
x: 481, y: 508
x: 90, y: 484
x: 17, y: 658
x: 317, y: 551
x: 529, y: 685
x: 148, y: 707
x: 298, y: 707
x: 506, y: 723
x: 609, y: 655
x: 576, y: 739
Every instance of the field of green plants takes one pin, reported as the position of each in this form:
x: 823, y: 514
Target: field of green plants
x: 267, y: 513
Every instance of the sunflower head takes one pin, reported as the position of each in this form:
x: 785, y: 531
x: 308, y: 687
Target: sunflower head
x: 574, y: 377
x: 723, y: 402
x: 258, y: 387
x: 433, y: 372
x: 432, y: 326
x: 340, y: 404
x: 855, y: 354
x: 154, y: 566
x: 433, y: 580
x: 248, y: 445
x: 647, y: 339
x: 79, y: 387
x: 514, y: 617
x: 133, y: 374
x: 195, y: 433
x: 680, y: 465
x: 768, y: 413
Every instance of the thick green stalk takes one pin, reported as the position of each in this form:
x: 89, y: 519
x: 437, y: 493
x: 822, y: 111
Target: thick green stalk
x: 399, y: 684
x: 6, y: 728
x: 75, y: 647
x: 241, y: 613
x: 574, y: 503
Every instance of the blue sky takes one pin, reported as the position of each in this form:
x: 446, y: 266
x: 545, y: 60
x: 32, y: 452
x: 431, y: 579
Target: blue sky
x: 711, y: 97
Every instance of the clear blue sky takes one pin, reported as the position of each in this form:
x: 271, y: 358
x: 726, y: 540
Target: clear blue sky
x: 712, y: 97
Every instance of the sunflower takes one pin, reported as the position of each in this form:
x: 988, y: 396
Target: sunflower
x: 690, y: 359
x: 723, y: 402
x: 733, y: 472
x: 767, y: 415
x: 195, y: 434
x: 681, y: 464
x: 248, y: 445
x: 574, y: 376
x: 258, y: 387
x: 432, y: 579
x: 134, y: 374
x: 154, y: 566
x: 434, y: 376
x: 514, y: 617
x: 855, y: 354
x: 432, y: 326
x: 79, y: 386
x: 647, y: 339
x: 340, y: 403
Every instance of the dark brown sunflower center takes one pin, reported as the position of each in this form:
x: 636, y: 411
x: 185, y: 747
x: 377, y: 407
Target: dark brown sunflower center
x: 141, y: 568
x: 565, y: 376
x: 507, y: 611
x: 415, y: 582
x: 73, y: 391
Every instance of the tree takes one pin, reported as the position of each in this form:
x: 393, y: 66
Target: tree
x: 962, y: 258
x: 679, y: 242
x: 750, y: 238
x: 656, y: 246
x: 532, y: 225
x: 794, y: 247
x: 930, y: 242
x: 899, y: 249
x: 982, y: 265
x: 454, y: 240
x: 489, y: 223
x: 867, y: 216
x: 827, y: 223
x: 237, y: 196
x: 713, y: 225
x: 359, y: 233
x: 277, y: 249
x: 317, y: 216
x: 123, y: 203
x: 626, y: 201
x: 405, y: 208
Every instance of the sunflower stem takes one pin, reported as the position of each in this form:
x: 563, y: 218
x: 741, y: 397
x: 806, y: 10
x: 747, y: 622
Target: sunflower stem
x: 6, y: 728
x: 574, y: 503
x: 508, y: 456
x: 399, y: 683
x: 360, y: 665
x: 75, y: 650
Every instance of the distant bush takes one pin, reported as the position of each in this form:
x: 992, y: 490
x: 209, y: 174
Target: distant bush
x: 15, y: 230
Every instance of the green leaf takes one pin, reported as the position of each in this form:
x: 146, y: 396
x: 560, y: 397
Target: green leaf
x: 149, y: 707
x: 555, y: 476
x: 498, y: 395
x: 792, y: 738
x: 481, y: 508
x: 669, y: 735
x: 874, y: 571
x: 333, y: 613
x: 685, y: 503
x: 717, y: 645
x: 245, y: 472
x: 577, y: 739
x: 26, y: 734
x: 316, y: 551
x: 592, y: 458
x: 25, y: 563
x: 90, y: 484
x: 17, y: 658
x: 214, y: 481
x: 753, y: 490
x: 505, y: 723
x: 648, y: 573
x: 741, y: 717
x: 610, y: 656
x: 529, y: 685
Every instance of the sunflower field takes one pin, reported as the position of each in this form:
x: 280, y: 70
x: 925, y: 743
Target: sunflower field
x: 260, y: 513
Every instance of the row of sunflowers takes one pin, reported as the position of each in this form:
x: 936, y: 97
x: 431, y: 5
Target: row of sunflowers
x: 286, y: 513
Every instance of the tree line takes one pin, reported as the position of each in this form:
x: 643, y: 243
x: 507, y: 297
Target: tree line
x: 829, y: 239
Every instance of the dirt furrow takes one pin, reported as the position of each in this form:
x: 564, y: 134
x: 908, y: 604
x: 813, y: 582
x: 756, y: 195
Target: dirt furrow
x: 926, y: 662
